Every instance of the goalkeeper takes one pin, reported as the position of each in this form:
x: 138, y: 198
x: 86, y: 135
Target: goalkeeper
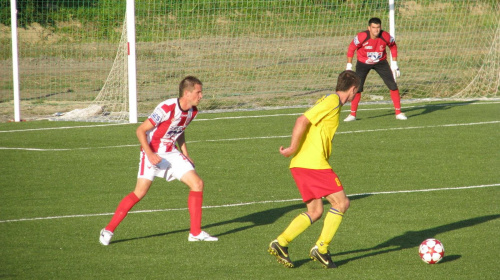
x: 371, y: 54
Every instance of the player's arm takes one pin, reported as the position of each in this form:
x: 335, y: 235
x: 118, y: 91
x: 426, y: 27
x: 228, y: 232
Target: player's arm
x: 353, y: 46
x: 181, y: 141
x: 394, y: 57
x: 143, y: 140
x: 392, y: 46
x: 350, y: 53
x: 299, y: 129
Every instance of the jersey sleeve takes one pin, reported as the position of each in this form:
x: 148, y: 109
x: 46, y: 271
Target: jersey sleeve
x: 356, y: 43
x: 391, y: 44
x: 160, y: 114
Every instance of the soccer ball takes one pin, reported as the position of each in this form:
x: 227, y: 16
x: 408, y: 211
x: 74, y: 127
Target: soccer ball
x: 431, y: 251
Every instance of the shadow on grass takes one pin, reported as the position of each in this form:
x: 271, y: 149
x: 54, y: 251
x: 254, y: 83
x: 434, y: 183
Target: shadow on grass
x: 261, y: 218
x: 412, y: 239
x: 425, y: 109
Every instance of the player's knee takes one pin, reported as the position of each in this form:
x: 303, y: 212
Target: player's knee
x: 141, y: 188
x: 193, y: 181
x: 315, y: 214
x: 345, y: 205
x: 197, y: 185
x: 341, y: 204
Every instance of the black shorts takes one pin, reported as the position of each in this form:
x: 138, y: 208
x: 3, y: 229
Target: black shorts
x: 382, y: 68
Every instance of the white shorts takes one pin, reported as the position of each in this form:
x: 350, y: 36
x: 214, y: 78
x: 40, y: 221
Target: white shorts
x: 173, y: 166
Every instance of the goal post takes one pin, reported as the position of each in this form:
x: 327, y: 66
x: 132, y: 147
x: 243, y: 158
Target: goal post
x: 15, y: 64
x: 392, y: 24
x: 249, y: 54
x: 131, y: 59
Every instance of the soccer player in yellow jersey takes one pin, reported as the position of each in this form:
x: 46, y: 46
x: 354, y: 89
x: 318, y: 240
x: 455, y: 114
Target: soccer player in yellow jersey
x: 311, y: 146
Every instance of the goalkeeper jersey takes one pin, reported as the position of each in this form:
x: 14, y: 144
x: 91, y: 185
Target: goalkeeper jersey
x: 316, y: 145
x: 371, y: 51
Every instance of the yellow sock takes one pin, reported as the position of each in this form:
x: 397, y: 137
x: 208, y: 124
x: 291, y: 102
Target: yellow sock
x: 330, y: 227
x: 296, y: 227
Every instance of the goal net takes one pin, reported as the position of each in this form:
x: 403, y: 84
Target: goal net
x: 252, y: 54
x: 111, y: 104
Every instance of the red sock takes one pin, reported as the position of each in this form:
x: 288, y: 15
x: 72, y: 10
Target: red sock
x: 195, y: 201
x: 354, y: 103
x: 122, y: 210
x: 396, y: 100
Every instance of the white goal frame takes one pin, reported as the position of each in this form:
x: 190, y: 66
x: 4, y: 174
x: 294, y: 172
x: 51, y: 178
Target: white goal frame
x: 264, y: 69
x: 132, y: 69
x: 131, y: 60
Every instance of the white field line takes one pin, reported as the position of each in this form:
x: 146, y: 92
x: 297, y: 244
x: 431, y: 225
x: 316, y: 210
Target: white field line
x: 243, y: 204
x: 354, y: 131
x: 255, y: 138
x: 255, y: 116
x: 362, y: 109
x: 62, y: 127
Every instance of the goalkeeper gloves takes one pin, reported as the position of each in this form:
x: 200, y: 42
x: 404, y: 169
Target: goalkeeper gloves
x: 348, y: 66
x: 395, y: 69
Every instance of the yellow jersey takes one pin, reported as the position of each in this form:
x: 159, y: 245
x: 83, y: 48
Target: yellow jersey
x: 316, y: 144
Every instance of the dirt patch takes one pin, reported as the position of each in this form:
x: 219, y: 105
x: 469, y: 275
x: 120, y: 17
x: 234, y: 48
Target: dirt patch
x: 36, y: 33
x: 5, y: 32
x: 412, y: 8
x: 480, y: 9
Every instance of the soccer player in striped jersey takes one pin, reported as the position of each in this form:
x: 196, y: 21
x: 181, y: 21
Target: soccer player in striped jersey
x: 160, y: 157
x: 371, y: 54
x: 311, y: 146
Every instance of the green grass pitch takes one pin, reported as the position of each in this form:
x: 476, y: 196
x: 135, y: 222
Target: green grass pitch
x: 434, y: 175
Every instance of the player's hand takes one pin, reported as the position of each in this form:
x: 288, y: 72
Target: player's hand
x: 154, y: 159
x: 286, y: 152
x: 348, y: 66
x: 395, y: 69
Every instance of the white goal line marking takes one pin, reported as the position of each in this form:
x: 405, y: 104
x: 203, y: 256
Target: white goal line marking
x: 243, y: 204
x: 254, y: 116
x: 255, y: 138
x: 362, y: 109
x: 349, y: 132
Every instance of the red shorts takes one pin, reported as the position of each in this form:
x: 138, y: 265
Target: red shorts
x: 314, y: 183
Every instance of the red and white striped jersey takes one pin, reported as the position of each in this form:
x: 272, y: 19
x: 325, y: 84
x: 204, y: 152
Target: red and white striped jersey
x: 170, y: 121
x: 371, y: 51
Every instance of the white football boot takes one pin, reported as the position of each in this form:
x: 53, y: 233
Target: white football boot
x: 350, y: 118
x: 401, y: 116
x: 105, y: 237
x: 203, y: 236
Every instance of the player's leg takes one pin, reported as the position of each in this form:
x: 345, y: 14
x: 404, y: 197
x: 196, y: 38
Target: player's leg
x: 195, y: 199
x: 123, y: 208
x: 195, y: 203
x: 340, y: 204
x: 385, y: 72
x: 362, y: 70
x: 302, y: 222
x: 141, y: 188
x: 145, y: 177
x: 320, y: 253
x: 307, y: 181
x: 279, y: 246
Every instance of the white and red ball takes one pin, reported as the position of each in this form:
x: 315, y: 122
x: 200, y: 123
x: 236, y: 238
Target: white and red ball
x: 431, y: 251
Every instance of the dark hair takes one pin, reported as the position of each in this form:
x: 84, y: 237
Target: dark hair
x: 375, y: 20
x: 346, y: 80
x: 188, y: 83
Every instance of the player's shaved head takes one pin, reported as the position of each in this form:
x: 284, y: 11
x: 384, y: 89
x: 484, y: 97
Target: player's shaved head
x: 374, y: 20
x: 188, y: 84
